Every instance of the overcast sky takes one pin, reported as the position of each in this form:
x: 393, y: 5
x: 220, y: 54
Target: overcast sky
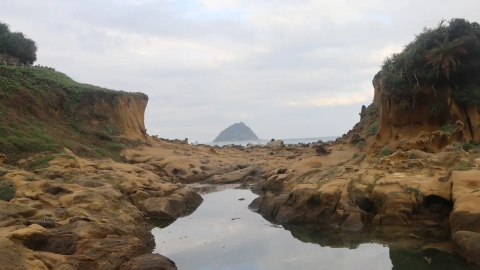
x: 287, y: 68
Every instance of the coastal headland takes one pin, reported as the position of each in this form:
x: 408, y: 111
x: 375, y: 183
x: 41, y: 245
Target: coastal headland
x: 82, y: 182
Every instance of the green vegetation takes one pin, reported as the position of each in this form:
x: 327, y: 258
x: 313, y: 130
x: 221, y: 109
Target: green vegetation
x: 463, y: 166
x: 448, y: 128
x: 448, y: 55
x: 7, y: 190
x: 360, y: 145
x: 435, y: 110
x: 355, y: 155
x: 44, y: 111
x: 30, y: 179
x: 418, y: 194
x: 37, y: 163
x: 473, y: 145
x: 17, y: 45
x: 412, y: 155
x: 372, y: 130
x: 385, y: 151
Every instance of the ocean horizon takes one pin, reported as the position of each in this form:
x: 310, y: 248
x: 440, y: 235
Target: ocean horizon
x: 286, y: 141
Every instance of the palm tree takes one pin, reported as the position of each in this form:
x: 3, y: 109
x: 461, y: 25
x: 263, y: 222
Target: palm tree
x: 444, y: 55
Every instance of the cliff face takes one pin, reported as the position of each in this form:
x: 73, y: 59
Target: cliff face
x: 44, y: 110
x: 126, y: 111
x: 435, y: 118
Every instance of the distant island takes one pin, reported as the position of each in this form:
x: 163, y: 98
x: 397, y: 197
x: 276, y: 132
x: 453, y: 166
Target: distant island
x: 236, y: 132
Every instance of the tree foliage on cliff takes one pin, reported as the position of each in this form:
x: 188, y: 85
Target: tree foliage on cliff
x: 448, y: 55
x: 17, y: 45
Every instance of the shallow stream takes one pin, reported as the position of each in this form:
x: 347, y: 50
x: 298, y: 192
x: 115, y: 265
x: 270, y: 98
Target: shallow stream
x: 224, y: 234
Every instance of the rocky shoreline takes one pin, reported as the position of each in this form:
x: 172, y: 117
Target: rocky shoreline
x: 76, y: 213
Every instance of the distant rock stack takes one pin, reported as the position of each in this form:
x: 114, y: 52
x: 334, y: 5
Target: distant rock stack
x: 236, y: 132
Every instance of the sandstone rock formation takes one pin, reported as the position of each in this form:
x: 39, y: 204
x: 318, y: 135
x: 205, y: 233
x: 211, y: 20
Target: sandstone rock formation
x: 236, y: 132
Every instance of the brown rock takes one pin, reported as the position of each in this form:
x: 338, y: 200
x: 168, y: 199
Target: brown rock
x: 14, y: 256
x: 353, y: 222
x: 275, y: 144
x: 3, y: 158
x: 466, y: 199
x: 232, y: 177
x: 16, y: 210
x: 174, y: 206
x: 149, y: 262
x: 467, y: 245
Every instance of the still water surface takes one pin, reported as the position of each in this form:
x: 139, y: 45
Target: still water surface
x: 224, y: 234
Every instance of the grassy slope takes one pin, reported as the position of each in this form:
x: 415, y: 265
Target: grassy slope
x: 43, y: 111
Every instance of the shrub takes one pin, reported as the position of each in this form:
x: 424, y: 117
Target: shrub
x: 17, y: 45
x: 372, y: 130
x: 7, y: 190
x: 361, y: 145
x: 463, y: 166
x: 446, y: 55
x: 471, y: 146
x: 448, y: 128
x: 385, y: 151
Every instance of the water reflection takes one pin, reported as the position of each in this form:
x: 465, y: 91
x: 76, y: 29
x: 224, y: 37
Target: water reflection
x: 224, y: 234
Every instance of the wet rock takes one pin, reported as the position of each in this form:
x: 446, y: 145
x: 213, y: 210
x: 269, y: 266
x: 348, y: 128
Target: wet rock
x: 353, y: 222
x: 467, y: 245
x: 149, y: 262
x: 179, y: 204
x: 466, y: 199
x: 232, y: 177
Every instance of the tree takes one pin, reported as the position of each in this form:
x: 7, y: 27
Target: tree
x: 17, y: 45
x: 444, y: 56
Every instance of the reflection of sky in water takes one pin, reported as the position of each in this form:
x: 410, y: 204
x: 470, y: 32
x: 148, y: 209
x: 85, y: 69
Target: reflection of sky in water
x: 210, y: 239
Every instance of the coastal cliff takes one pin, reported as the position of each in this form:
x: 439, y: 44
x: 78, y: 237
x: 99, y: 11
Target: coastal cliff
x: 453, y: 122
x: 44, y: 110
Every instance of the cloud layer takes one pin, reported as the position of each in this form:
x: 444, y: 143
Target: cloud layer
x: 286, y: 68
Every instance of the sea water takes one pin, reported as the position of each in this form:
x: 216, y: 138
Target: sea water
x: 286, y: 141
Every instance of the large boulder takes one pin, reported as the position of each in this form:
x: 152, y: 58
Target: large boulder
x: 466, y: 198
x: 181, y: 203
x: 276, y: 144
x: 467, y: 245
x: 149, y: 262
